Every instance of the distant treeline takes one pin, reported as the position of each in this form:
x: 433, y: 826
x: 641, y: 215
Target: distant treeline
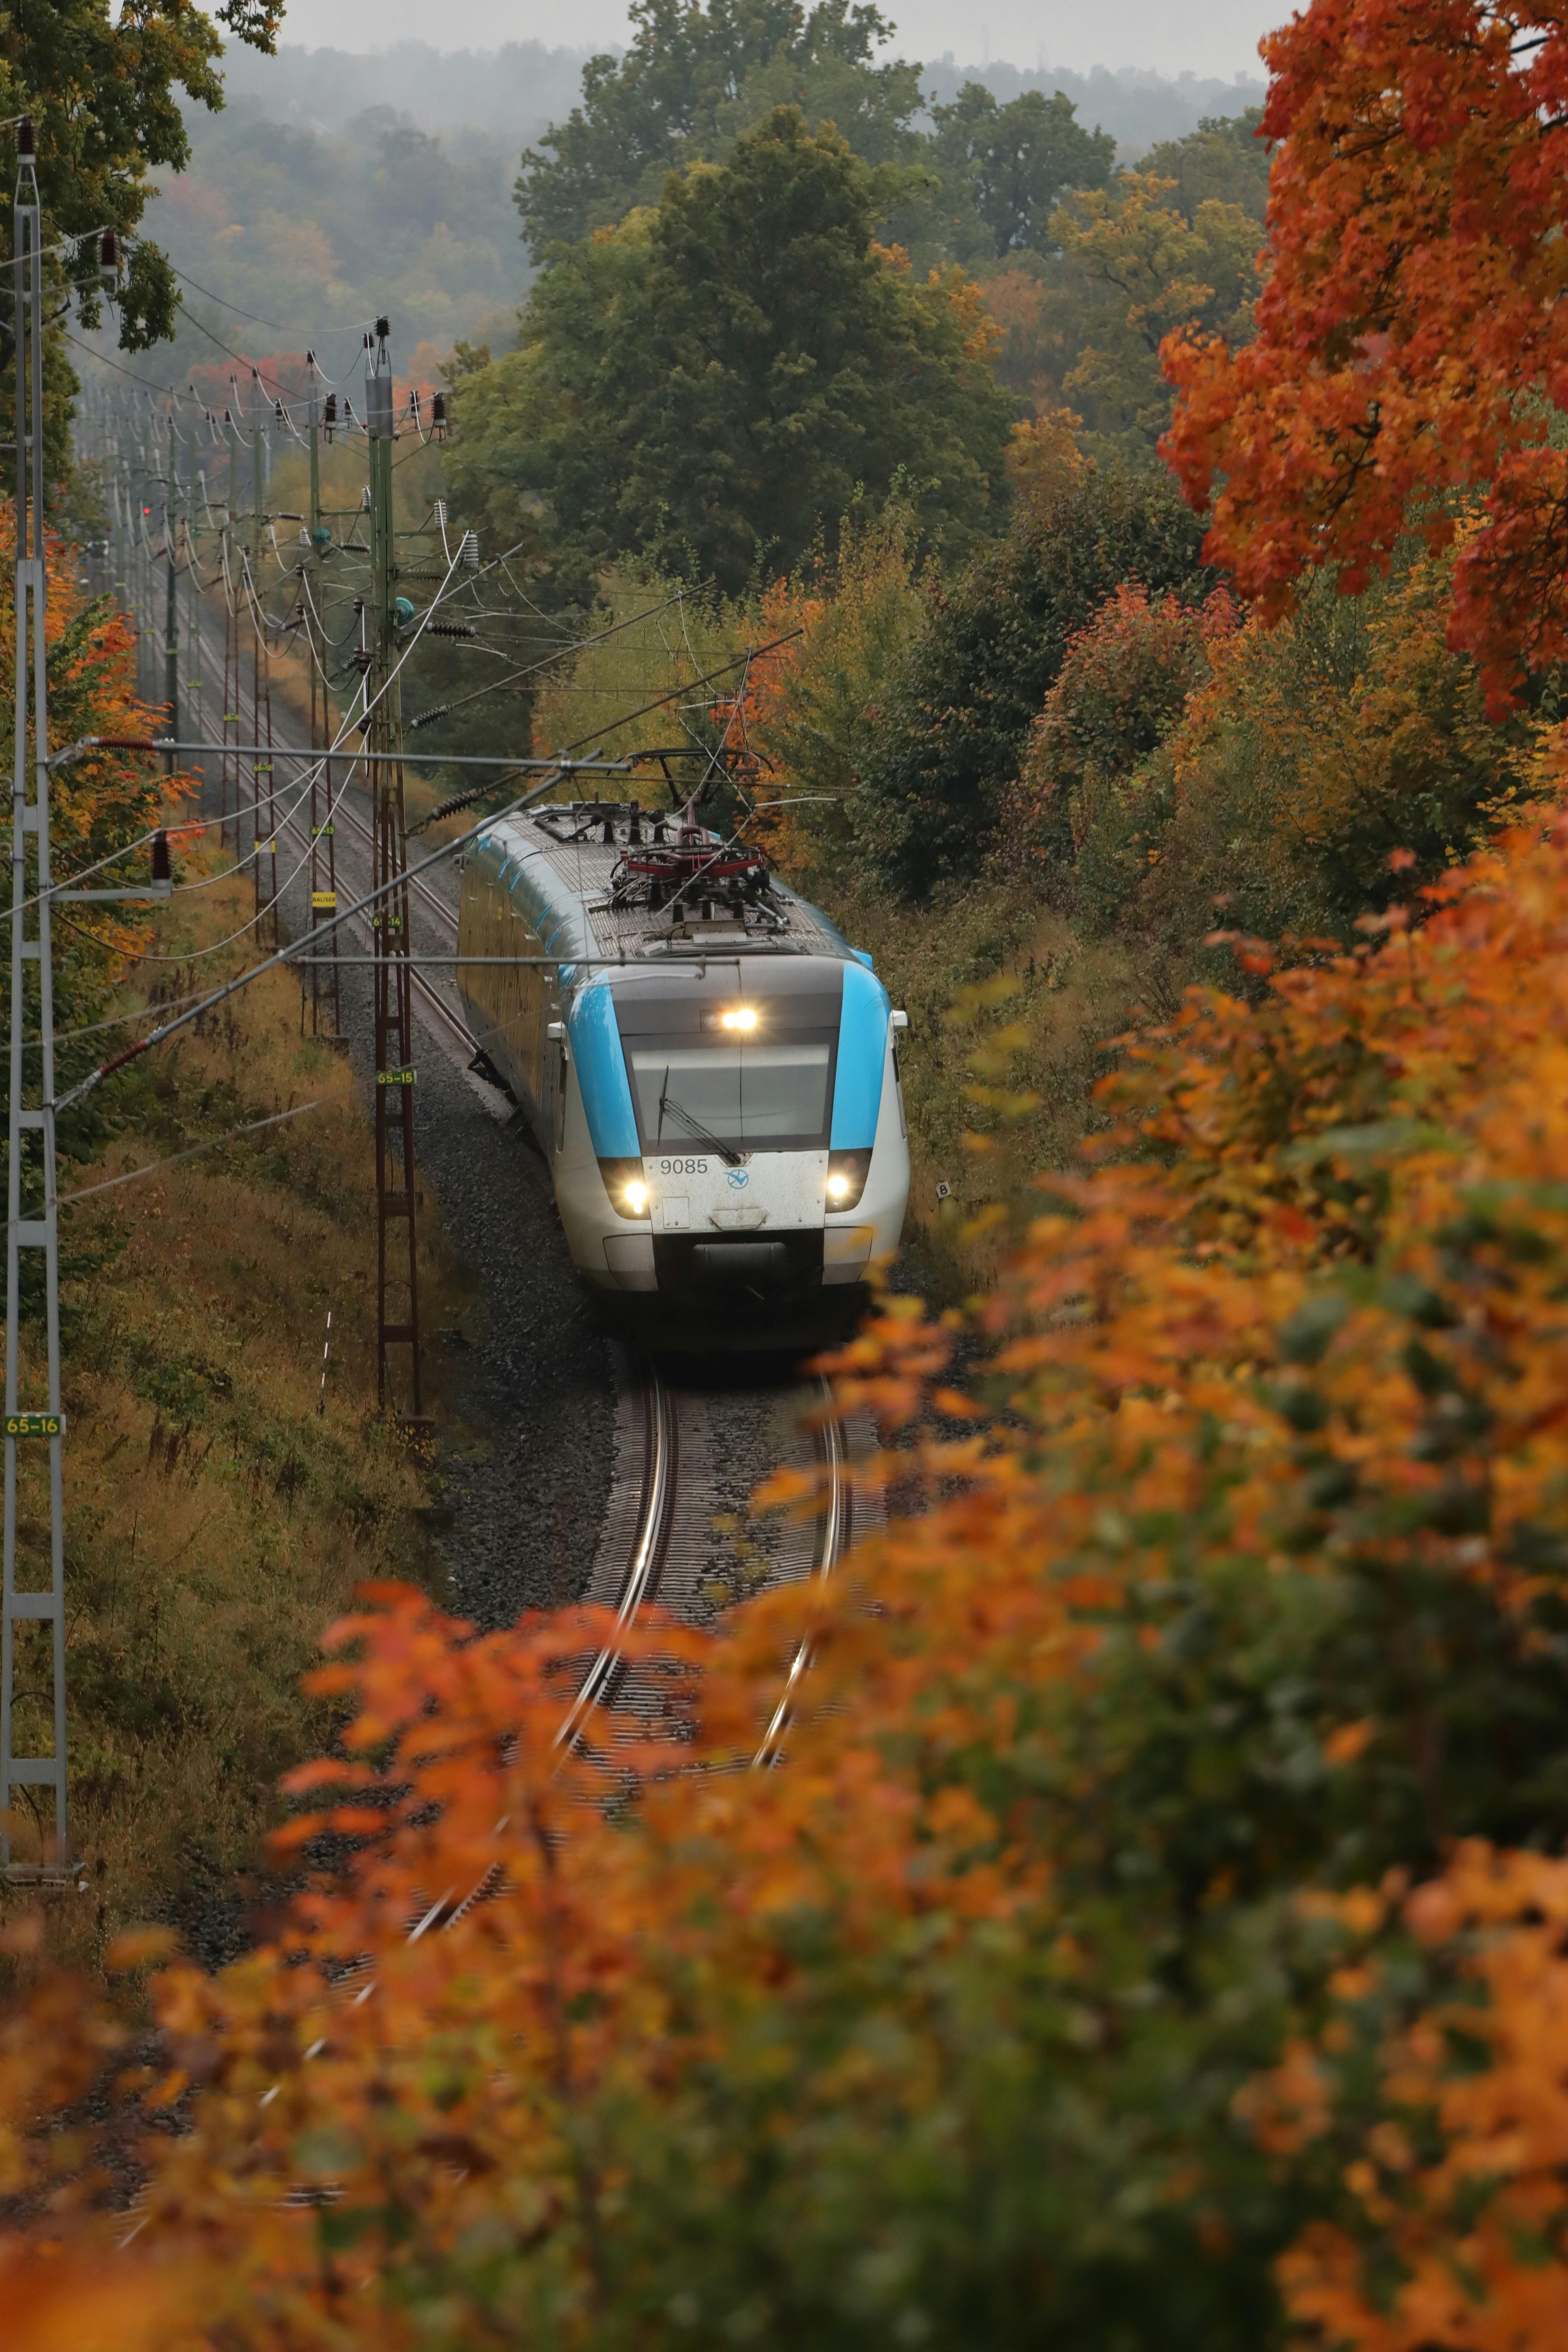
x: 517, y: 89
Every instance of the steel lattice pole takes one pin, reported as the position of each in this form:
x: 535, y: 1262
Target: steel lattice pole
x: 31, y: 1205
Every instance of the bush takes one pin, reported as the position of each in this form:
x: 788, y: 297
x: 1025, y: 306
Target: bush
x: 954, y: 727
x: 1012, y: 2009
x: 1124, y: 685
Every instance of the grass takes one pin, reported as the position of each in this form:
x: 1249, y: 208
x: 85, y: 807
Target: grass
x: 215, y: 1519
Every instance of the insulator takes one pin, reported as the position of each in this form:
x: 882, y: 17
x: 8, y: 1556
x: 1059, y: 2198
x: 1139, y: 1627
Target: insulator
x: 471, y: 550
x: 428, y: 717
x: 438, y: 415
x: 382, y: 329
x: 108, y: 262
x: 161, y: 870
x: 364, y: 499
x: 26, y: 145
x: 278, y: 410
x: 450, y: 629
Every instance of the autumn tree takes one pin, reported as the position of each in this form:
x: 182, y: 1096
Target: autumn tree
x: 1123, y: 684
x: 1135, y: 269
x: 1412, y: 343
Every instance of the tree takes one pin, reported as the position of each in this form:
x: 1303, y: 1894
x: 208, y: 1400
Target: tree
x: 1225, y: 161
x: 1319, y: 769
x: 1412, y: 346
x: 709, y: 384
x: 954, y: 729
x: 1015, y: 163
x: 1135, y: 270
x: 100, y: 86
x: 697, y: 74
x: 1123, y: 684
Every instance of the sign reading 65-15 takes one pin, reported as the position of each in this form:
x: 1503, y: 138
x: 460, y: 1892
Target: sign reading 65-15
x: 34, y: 1424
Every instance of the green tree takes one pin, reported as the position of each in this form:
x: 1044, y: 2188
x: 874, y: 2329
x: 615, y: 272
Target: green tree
x: 1012, y: 166
x: 1223, y: 161
x: 708, y: 386
x: 955, y: 726
x: 1135, y: 269
x: 100, y: 86
x: 698, y: 75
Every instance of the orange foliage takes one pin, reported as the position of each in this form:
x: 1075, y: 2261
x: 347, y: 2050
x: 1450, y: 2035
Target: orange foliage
x: 1412, y: 337
x: 1354, y: 1204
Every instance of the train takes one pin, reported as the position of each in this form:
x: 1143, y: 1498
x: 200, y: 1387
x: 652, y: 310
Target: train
x: 708, y: 1067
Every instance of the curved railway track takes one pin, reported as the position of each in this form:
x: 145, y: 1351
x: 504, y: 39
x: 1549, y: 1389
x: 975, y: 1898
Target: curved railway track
x: 679, y: 1532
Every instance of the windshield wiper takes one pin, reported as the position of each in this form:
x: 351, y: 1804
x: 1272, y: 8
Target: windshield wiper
x: 667, y: 1102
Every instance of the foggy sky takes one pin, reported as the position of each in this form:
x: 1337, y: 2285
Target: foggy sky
x: 1220, y: 38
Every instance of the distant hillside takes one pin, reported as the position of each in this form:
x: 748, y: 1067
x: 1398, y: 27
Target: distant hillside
x: 514, y: 91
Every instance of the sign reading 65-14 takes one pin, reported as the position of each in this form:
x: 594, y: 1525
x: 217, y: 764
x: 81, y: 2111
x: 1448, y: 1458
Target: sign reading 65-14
x: 34, y: 1424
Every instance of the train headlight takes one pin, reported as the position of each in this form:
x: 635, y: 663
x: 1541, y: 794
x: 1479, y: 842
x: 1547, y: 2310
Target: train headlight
x: 740, y: 1016
x: 847, y: 1175
x: 625, y: 1184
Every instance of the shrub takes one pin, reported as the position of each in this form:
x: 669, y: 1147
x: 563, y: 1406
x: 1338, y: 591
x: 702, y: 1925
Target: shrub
x: 955, y: 725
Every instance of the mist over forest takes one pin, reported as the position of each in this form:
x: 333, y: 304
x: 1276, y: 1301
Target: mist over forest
x: 334, y: 185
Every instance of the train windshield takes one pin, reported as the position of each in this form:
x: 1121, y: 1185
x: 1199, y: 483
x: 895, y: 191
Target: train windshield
x: 748, y: 1097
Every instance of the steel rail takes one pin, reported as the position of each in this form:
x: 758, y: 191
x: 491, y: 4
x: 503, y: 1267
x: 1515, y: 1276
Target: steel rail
x: 656, y: 1508
x: 836, y: 1530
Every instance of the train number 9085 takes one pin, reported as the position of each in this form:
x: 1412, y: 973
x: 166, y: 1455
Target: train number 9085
x: 682, y: 1167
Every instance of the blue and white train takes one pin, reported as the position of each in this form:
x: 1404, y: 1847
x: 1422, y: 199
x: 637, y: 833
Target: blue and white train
x: 710, y: 1068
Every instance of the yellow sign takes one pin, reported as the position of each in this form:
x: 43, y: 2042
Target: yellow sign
x: 325, y: 899
x: 34, y: 1424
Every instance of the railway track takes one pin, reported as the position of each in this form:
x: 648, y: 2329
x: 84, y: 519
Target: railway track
x: 433, y: 1002
x: 680, y: 1532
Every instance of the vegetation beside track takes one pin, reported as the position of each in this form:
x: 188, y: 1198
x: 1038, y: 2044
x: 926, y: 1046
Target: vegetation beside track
x: 215, y: 1518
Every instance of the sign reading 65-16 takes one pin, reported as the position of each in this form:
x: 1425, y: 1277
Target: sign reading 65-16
x: 34, y: 1424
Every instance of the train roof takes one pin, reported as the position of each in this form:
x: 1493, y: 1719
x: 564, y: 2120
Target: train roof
x: 570, y: 862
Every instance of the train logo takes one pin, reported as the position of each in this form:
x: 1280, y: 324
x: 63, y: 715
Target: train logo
x: 737, y: 1179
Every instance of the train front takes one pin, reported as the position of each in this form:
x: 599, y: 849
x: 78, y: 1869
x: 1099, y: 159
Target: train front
x: 750, y: 1159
